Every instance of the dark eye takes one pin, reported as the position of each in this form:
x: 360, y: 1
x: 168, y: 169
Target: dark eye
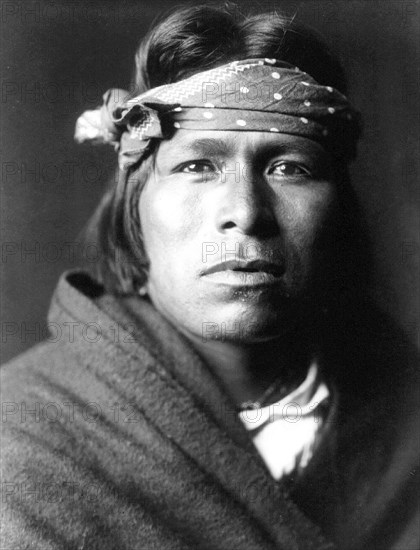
x: 287, y: 169
x: 198, y: 167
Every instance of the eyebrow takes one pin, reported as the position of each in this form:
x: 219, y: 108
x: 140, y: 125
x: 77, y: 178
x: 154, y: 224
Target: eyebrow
x: 209, y: 147
x: 224, y: 148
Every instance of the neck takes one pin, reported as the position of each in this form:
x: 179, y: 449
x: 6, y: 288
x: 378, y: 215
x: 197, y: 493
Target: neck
x: 246, y: 371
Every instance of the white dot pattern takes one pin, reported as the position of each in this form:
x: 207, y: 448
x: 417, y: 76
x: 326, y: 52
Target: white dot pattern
x: 274, y: 130
x: 177, y: 125
x: 277, y: 96
x: 244, y: 89
x: 307, y: 103
x: 331, y: 110
x: 178, y: 109
x: 207, y: 115
x: 329, y: 89
x: 275, y: 75
x: 209, y: 105
x: 241, y: 122
x: 304, y: 120
x: 305, y: 83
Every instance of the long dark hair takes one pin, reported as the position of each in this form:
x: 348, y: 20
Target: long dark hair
x: 184, y: 42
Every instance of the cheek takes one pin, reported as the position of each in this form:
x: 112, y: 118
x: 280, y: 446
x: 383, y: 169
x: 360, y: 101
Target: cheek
x: 306, y: 214
x: 169, y: 218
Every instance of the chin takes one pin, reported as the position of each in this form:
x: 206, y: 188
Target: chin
x: 245, y: 323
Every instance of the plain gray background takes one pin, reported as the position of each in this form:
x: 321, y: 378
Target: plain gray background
x: 58, y: 59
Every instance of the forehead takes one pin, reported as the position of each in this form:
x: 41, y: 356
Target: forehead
x: 231, y: 143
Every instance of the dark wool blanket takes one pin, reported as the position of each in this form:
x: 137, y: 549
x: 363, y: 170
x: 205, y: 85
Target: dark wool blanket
x: 117, y: 436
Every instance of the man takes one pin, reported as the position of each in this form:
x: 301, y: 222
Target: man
x: 223, y: 381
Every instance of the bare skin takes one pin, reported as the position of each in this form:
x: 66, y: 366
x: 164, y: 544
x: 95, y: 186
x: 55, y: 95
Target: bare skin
x: 233, y: 224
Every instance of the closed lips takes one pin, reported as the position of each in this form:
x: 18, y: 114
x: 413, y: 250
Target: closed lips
x: 254, y: 266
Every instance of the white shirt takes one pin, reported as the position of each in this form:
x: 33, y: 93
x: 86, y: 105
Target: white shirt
x: 287, y: 431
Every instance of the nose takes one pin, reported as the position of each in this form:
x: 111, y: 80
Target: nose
x: 246, y: 205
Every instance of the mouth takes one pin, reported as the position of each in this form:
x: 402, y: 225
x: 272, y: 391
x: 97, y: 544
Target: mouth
x: 245, y: 273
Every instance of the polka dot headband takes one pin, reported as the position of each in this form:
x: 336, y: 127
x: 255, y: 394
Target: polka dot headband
x: 264, y: 95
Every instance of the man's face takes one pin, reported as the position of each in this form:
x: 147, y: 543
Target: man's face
x: 234, y: 226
